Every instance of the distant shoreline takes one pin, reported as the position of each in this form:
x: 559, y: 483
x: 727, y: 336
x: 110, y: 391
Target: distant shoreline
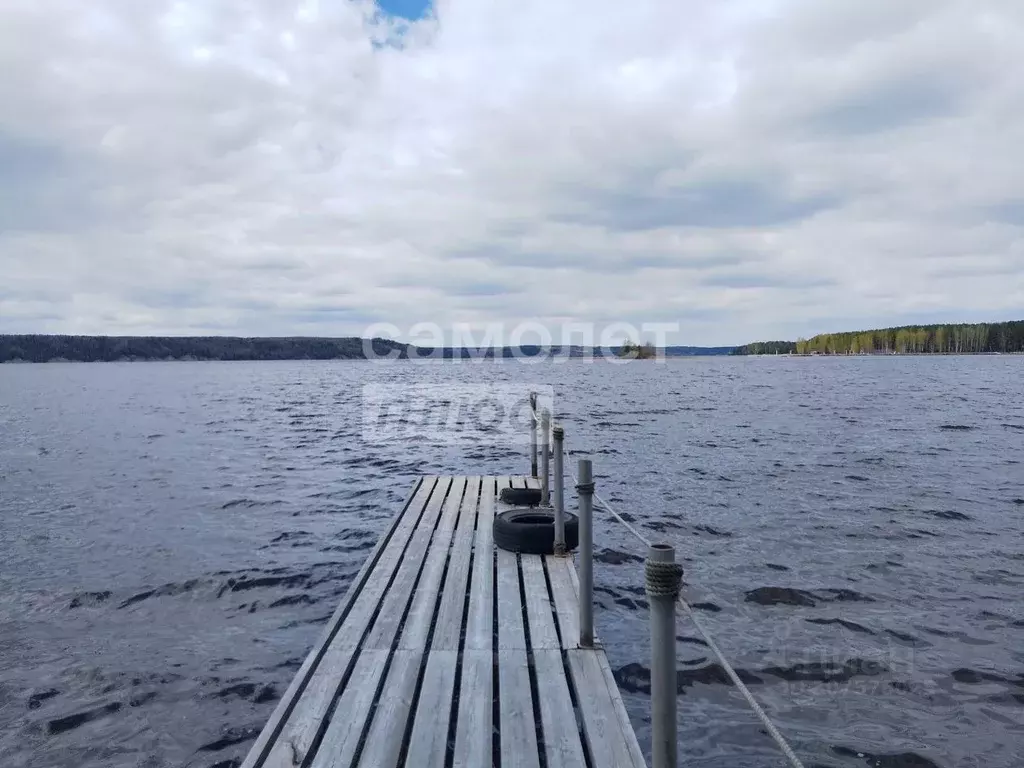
x: 956, y: 339
x: 888, y: 354
x: 974, y: 339
x: 497, y: 359
x: 38, y: 348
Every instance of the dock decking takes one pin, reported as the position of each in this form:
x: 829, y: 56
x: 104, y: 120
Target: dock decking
x: 449, y: 652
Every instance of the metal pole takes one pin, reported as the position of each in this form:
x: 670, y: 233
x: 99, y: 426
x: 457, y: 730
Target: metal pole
x: 662, y: 577
x: 559, y: 435
x: 533, y: 434
x: 585, y: 489
x: 545, y: 456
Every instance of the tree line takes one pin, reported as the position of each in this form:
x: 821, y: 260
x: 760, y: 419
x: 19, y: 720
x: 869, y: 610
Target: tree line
x: 50, y: 348
x: 962, y: 338
x: 766, y: 348
x: 42, y: 349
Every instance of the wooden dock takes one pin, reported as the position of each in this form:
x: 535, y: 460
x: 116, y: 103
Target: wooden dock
x: 449, y: 652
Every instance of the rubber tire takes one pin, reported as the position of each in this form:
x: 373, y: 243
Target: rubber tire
x: 518, y: 530
x: 521, y: 497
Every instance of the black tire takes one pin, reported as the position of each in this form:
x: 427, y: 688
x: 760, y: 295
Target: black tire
x: 521, y: 497
x: 532, y: 531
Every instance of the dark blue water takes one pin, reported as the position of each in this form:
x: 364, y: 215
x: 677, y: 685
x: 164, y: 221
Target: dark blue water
x: 174, y: 535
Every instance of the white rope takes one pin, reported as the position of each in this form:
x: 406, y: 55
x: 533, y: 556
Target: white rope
x: 621, y: 519
x: 575, y: 480
x: 780, y: 741
x: 608, y: 507
x: 772, y: 730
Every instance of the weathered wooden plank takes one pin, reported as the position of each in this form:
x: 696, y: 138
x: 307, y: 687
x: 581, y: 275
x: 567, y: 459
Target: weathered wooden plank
x: 574, y: 580
x: 452, y: 505
x: 480, y: 622
x: 429, y: 738
x: 600, y: 719
x: 562, y: 737
x: 470, y: 503
x: 424, y: 601
x: 517, y: 727
x: 474, y: 731
x: 510, y: 605
x: 566, y: 600
x: 538, y: 604
x: 393, y: 605
x: 448, y: 630
x: 488, y: 494
x: 574, y: 577
x: 310, y: 711
x: 511, y: 634
x: 368, y: 601
x: 628, y: 734
x: 348, y: 616
x: 384, y: 741
x: 342, y: 736
x: 533, y: 482
x: 518, y: 481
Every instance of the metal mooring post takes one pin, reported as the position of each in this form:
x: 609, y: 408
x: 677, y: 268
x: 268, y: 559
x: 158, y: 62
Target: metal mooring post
x: 662, y: 577
x: 545, y: 456
x: 559, y: 435
x: 533, y: 434
x: 585, y: 489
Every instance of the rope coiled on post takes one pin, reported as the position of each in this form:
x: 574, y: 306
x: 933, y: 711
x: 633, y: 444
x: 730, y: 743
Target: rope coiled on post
x: 662, y: 579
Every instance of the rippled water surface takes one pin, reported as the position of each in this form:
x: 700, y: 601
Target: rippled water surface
x: 174, y: 535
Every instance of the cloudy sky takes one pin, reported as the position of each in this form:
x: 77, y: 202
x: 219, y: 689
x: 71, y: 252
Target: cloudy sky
x: 750, y: 169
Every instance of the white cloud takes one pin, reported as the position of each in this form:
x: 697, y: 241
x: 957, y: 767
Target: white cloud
x: 753, y: 169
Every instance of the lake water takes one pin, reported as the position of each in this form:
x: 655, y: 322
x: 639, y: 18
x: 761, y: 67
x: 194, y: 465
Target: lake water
x: 174, y: 535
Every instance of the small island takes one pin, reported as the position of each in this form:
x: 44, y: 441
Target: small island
x: 632, y: 351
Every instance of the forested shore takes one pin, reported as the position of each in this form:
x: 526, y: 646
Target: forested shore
x: 91, y: 349
x: 977, y: 338
x: 39, y: 348
x: 959, y: 339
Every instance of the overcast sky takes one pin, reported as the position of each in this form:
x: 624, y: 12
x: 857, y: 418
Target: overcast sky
x: 751, y: 169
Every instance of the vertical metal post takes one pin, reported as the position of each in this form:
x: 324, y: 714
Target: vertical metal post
x: 533, y: 434
x: 585, y: 488
x: 663, y: 576
x: 559, y: 437
x: 545, y: 456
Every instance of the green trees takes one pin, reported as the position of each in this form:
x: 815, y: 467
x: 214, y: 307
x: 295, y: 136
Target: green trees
x: 906, y: 340
x: 767, y: 348
x: 645, y: 351
x: 41, y: 349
